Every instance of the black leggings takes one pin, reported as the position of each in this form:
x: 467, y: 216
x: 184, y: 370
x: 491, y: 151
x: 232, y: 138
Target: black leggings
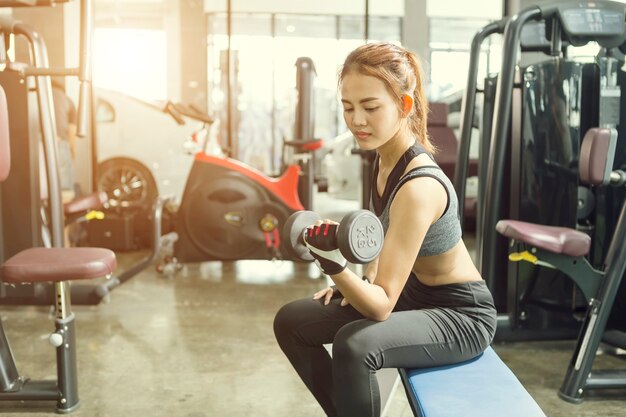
x: 429, y: 326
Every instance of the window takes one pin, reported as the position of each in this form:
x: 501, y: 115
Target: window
x: 450, y: 45
x: 264, y: 50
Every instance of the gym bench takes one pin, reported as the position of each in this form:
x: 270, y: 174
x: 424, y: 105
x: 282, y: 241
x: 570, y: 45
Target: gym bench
x: 481, y: 387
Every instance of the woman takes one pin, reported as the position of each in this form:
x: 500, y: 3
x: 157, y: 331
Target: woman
x: 422, y: 302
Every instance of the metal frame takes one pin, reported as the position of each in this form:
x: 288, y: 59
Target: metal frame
x: 600, y: 289
x: 468, y: 107
x: 579, y: 375
x: 63, y: 390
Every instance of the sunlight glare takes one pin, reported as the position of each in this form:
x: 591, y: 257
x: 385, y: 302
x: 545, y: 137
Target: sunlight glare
x: 132, y: 61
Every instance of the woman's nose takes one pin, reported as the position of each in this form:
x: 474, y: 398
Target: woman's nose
x: 358, y: 118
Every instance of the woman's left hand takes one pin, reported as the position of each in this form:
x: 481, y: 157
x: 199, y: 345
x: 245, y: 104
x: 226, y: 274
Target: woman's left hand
x: 327, y: 293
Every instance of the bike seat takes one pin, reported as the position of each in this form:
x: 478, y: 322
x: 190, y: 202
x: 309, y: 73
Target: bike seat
x: 91, y: 201
x: 561, y: 240
x: 57, y: 264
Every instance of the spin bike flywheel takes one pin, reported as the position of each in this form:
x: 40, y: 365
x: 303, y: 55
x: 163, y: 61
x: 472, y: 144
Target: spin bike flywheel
x: 222, y: 217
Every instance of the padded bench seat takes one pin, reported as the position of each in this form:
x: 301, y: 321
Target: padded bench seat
x: 554, y: 239
x: 481, y: 387
x: 57, y: 264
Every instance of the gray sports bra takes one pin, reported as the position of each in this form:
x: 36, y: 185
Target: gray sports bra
x: 446, y: 231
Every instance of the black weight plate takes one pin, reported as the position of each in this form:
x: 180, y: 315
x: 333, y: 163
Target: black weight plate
x: 292, y: 235
x: 360, y: 236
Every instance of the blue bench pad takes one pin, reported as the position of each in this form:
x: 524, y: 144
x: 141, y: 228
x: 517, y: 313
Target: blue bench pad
x: 481, y: 387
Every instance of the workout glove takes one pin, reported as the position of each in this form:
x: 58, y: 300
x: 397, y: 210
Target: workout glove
x: 322, y: 243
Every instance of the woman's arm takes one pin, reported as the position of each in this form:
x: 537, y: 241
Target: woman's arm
x: 417, y: 205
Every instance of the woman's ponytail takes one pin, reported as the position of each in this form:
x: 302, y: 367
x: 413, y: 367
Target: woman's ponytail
x: 419, y: 118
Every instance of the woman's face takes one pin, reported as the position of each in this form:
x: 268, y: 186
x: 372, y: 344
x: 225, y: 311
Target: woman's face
x: 370, y: 112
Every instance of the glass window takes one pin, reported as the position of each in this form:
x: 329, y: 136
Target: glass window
x: 488, y: 9
x: 314, y: 37
x: 264, y: 49
x: 385, y: 29
x: 448, y: 72
x: 351, y: 27
x: 450, y: 44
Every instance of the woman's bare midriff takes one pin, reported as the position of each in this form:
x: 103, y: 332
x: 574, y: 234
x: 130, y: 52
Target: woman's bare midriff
x: 452, y: 267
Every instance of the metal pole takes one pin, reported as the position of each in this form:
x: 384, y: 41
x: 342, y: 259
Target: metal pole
x: 468, y: 107
x: 39, y: 57
x: 229, y: 100
x: 367, y: 21
x: 86, y: 36
x: 499, y: 135
x: 577, y: 376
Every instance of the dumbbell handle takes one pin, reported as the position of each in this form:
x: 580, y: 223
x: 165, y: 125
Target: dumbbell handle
x: 312, y: 227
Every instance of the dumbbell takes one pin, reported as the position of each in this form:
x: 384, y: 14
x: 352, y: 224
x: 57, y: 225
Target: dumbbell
x: 359, y: 237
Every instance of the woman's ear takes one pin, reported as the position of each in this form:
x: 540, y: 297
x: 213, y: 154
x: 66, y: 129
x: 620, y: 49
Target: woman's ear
x: 407, y: 104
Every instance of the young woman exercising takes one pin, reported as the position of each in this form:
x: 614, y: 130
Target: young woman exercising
x: 422, y: 302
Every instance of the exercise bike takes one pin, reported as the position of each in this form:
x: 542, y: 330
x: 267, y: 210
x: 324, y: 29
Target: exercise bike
x: 231, y: 211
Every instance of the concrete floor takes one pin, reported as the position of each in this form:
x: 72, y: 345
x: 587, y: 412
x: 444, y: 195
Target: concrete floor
x: 201, y: 345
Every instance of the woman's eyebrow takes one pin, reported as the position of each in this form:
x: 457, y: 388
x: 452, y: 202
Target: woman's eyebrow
x: 360, y: 101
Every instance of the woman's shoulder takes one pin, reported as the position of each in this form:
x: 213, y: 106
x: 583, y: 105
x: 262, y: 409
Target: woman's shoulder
x: 420, y: 193
x: 422, y: 160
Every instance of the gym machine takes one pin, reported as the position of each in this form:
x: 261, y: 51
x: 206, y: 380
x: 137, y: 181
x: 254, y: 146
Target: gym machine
x: 31, y: 209
x: 532, y: 41
x: 28, y: 92
x: 533, y: 123
x: 56, y: 265
x: 565, y: 249
x: 50, y: 265
x: 533, y: 120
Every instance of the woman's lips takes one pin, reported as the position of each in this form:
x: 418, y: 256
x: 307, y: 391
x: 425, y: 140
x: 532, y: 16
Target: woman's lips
x: 362, y: 135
